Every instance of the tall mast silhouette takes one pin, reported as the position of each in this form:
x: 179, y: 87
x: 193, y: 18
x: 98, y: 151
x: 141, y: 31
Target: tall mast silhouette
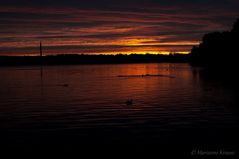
x: 40, y: 49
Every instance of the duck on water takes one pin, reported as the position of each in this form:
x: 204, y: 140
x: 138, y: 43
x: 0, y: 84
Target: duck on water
x: 129, y: 102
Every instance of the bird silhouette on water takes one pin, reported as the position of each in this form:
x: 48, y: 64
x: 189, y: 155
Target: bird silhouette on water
x: 129, y: 102
x: 65, y: 85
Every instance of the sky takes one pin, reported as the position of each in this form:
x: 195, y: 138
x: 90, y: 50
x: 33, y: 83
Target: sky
x: 110, y: 26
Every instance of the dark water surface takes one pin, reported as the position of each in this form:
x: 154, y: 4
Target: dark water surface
x: 85, y: 104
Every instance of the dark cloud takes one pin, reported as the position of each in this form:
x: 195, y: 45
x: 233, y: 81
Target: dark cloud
x: 103, y: 25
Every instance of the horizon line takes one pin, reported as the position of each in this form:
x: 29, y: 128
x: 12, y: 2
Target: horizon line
x: 136, y: 53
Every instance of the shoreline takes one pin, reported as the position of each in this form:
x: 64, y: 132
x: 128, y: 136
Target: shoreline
x: 91, y: 59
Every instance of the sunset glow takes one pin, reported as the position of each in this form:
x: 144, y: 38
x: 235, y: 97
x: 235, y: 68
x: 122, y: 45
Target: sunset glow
x: 91, y: 27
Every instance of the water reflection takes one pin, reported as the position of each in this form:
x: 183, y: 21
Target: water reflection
x: 87, y: 103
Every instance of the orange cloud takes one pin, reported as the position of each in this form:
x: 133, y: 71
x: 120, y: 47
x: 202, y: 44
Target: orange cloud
x: 112, y: 27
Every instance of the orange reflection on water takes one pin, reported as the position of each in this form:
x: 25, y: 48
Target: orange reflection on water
x: 142, y: 89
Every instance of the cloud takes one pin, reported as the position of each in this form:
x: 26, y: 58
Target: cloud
x: 72, y: 25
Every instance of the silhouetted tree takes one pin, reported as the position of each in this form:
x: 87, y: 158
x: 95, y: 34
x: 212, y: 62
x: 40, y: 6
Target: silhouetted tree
x: 218, y: 49
x: 235, y: 28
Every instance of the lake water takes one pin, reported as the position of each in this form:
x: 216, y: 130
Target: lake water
x: 85, y: 104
